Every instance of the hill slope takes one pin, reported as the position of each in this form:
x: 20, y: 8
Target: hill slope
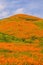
x: 22, y: 25
x: 21, y: 40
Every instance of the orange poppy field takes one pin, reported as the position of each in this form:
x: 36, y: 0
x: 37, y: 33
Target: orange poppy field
x: 21, y: 40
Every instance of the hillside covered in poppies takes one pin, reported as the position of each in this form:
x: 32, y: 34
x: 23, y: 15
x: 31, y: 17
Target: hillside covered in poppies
x: 21, y: 40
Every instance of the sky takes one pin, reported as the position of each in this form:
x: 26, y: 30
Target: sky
x: 13, y: 7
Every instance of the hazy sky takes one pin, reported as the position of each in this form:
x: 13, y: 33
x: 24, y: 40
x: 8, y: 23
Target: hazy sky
x: 12, y: 7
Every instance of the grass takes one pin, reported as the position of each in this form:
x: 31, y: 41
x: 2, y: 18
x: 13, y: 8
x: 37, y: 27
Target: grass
x: 39, y: 24
x: 41, y: 41
x: 10, y: 63
x: 19, y: 54
x: 41, y: 51
x: 16, y: 54
x: 10, y: 38
x: 35, y: 57
x: 30, y: 19
x: 7, y: 38
x: 31, y: 39
x: 5, y: 51
x: 26, y: 63
x: 27, y: 53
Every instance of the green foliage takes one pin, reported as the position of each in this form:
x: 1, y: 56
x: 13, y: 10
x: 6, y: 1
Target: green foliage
x: 34, y: 37
x: 30, y: 19
x: 5, y: 50
x: 31, y: 39
x: 5, y: 38
x: 11, y: 63
x: 10, y: 38
x: 28, y: 41
x: 39, y: 24
x: 26, y: 63
x: 41, y: 42
x: 41, y: 51
x: 27, y: 53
